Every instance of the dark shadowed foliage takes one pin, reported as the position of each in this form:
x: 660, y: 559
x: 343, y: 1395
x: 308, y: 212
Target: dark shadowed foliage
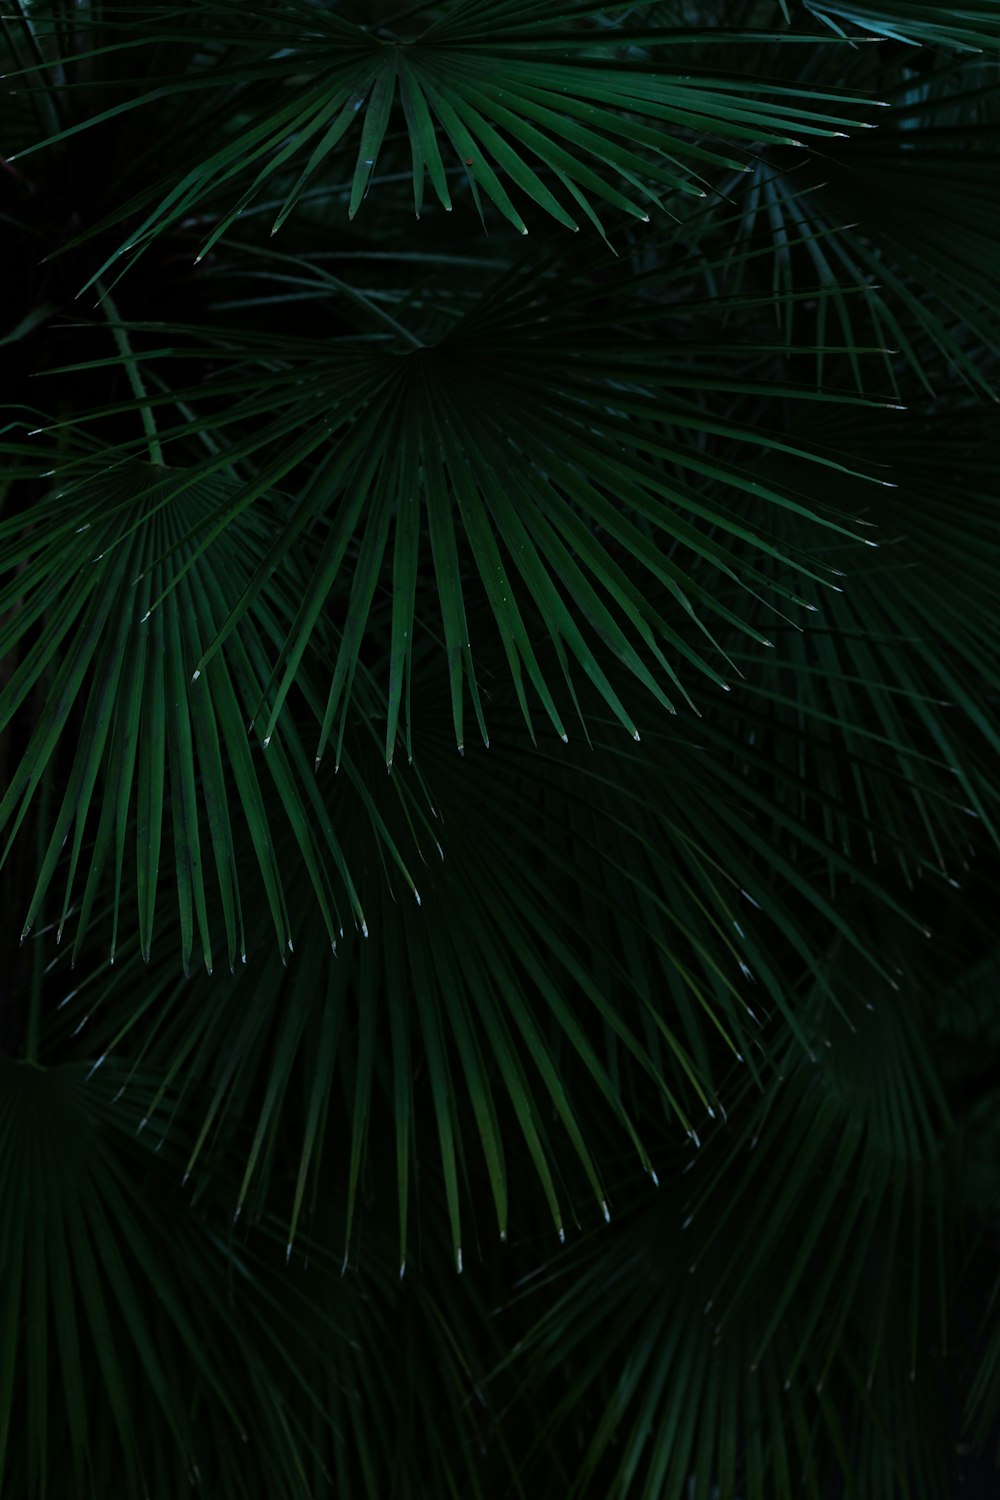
x: 499, y: 580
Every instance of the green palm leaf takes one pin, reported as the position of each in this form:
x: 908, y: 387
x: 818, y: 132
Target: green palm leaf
x: 911, y: 627
x: 926, y: 279
x: 155, y: 752
x: 496, y: 1027
x: 762, y: 1353
x: 608, y: 462
x: 973, y: 27
x: 678, y: 1043
x: 504, y: 93
x: 116, y: 1368
x: 144, y: 1350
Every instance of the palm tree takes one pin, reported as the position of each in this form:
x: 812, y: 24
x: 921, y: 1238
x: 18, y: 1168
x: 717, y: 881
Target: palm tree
x: 499, y: 792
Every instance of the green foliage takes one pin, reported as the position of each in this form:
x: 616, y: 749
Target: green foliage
x: 498, y: 749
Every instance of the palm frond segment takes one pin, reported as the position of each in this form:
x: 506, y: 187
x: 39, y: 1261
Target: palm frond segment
x: 543, y: 102
x: 151, y: 757
x: 973, y: 28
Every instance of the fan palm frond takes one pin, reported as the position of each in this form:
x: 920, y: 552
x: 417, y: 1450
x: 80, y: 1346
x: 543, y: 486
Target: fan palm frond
x: 508, y: 465
x: 115, y: 1296
x: 925, y: 23
x: 927, y: 279
x: 745, y: 1330
x: 679, y: 1042
x: 111, y: 661
x: 496, y: 1021
x: 542, y: 98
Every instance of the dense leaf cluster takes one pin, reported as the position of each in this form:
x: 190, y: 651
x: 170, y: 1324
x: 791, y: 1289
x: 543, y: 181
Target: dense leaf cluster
x: 499, y: 557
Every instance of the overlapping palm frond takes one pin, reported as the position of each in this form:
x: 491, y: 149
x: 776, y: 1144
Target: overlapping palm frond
x: 111, y: 663
x: 320, y: 490
x: 115, y: 1296
x: 749, y: 1329
x: 562, y: 109
x: 186, y: 1356
x: 499, y: 1021
x: 926, y: 280
x: 563, y: 483
x: 895, y: 661
x: 973, y: 27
